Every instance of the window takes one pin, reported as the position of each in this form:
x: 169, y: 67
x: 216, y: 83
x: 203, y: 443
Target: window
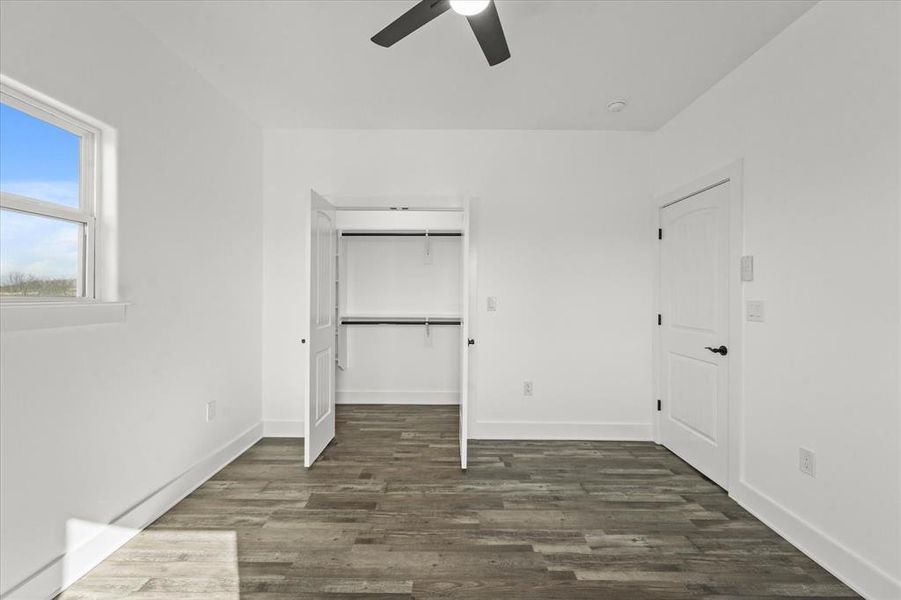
x: 48, y: 163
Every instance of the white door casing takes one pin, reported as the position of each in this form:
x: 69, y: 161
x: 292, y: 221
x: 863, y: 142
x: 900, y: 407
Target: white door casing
x: 319, y: 416
x: 695, y: 316
x: 464, y: 336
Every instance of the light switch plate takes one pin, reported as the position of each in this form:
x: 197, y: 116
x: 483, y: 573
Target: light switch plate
x: 492, y: 304
x: 747, y: 268
x: 755, y: 311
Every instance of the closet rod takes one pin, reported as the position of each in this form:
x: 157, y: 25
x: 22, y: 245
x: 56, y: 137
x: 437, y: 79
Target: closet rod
x: 400, y: 234
x: 387, y: 322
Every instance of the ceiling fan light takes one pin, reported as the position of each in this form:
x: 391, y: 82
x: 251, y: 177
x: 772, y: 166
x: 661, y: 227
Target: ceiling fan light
x: 468, y: 8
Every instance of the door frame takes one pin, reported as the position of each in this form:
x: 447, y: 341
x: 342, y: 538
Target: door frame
x: 732, y: 173
x: 464, y: 204
x: 466, y: 311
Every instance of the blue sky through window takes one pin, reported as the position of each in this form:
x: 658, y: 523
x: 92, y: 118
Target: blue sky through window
x: 37, y: 159
x: 40, y: 161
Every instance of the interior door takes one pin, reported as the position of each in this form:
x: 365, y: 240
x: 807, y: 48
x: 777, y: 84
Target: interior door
x: 694, y: 302
x: 464, y: 338
x: 319, y: 422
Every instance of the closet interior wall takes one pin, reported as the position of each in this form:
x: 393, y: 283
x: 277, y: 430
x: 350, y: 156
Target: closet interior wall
x: 399, y: 306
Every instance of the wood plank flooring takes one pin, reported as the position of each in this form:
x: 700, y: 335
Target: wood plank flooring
x: 387, y: 514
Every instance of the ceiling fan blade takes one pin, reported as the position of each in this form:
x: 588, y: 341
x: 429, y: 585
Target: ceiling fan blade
x: 487, y: 27
x: 410, y: 21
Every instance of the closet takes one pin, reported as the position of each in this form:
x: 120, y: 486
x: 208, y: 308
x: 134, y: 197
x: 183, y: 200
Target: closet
x: 388, y: 313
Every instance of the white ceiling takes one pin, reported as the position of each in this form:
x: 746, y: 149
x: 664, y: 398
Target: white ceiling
x: 311, y: 64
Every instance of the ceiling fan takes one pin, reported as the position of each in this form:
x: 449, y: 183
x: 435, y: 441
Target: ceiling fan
x: 481, y: 14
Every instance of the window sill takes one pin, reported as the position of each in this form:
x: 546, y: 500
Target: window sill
x: 23, y: 316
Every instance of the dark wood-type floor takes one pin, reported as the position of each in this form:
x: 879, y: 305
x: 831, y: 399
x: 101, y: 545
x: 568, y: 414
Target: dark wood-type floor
x: 387, y: 513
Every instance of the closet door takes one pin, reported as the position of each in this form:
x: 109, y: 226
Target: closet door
x: 319, y: 421
x: 464, y: 337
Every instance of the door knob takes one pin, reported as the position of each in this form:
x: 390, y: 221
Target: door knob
x: 721, y: 350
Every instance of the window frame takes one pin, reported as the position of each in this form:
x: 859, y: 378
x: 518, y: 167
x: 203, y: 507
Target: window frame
x: 85, y: 214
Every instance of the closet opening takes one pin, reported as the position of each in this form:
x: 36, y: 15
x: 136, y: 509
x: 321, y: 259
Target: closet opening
x: 401, y: 311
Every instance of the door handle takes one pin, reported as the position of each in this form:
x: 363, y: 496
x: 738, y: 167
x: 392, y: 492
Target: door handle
x: 721, y: 350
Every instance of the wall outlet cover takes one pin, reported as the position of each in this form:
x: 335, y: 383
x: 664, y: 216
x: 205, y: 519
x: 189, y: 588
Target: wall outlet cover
x: 755, y: 311
x: 210, y: 410
x: 492, y: 304
x: 526, y: 388
x: 807, y: 462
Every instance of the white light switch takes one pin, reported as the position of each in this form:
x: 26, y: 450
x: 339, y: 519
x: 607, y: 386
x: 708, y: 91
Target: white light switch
x: 755, y: 310
x: 492, y: 304
x: 747, y: 268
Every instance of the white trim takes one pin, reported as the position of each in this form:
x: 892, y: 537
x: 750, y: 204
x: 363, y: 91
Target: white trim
x: 47, y: 314
x: 66, y: 569
x: 37, y: 105
x: 539, y: 430
x: 852, y: 569
x: 733, y: 173
x: 396, y: 397
x: 437, y: 202
x: 283, y: 429
x: 31, y: 206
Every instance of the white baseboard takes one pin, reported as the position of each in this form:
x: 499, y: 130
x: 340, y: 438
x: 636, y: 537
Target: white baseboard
x: 66, y: 569
x: 533, y: 430
x: 283, y: 429
x: 396, y: 397
x: 853, y: 570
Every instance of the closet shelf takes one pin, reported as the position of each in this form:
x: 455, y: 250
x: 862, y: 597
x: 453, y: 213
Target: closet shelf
x: 393, y: 320
x: 401, y: 233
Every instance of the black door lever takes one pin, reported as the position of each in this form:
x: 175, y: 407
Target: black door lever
x: 721, y: 350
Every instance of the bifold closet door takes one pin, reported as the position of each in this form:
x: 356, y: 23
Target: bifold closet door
x: 322, y: 243
x: 464, y: 337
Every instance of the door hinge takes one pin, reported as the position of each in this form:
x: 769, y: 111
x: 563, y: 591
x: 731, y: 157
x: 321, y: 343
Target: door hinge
x: 660, y: 234
x: 659, y: 319
x: 659, y: 404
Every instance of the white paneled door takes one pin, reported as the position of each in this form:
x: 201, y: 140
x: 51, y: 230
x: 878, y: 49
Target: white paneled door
x: 319, y: 423
x: 694, y: 341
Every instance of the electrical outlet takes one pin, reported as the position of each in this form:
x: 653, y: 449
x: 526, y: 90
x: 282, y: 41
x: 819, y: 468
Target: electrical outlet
x: 755, y: 311
x: 807, y: 462
x: 526, y: 388
x: 210, y: 410
x: 492, y: 304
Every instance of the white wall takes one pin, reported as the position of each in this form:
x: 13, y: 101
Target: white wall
x: 107, y: 415
x: 564, y: 239
x: 815, y: 116
x: 393, y: 276
x: 95, y: 419
x: 399, y: 364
